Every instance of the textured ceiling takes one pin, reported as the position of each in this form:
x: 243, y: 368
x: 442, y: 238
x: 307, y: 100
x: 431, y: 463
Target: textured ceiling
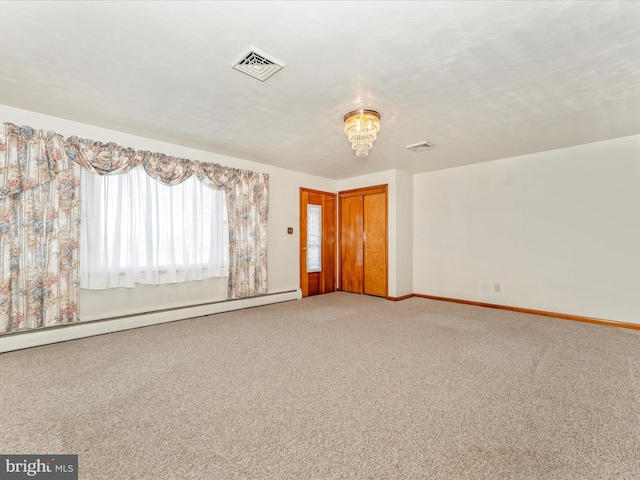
x: 479, y: 80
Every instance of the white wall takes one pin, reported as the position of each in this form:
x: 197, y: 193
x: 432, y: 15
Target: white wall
x: 404, y: 235
x: 399, y: 224
x: 282, y: 253
x: 559, y: 230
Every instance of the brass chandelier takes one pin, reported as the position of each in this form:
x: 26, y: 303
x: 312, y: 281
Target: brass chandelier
x: 361, y: 128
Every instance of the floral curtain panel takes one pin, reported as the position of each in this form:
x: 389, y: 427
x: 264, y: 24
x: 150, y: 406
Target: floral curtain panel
x: 39, y: 230
x: 247, y: 195
x: 248, y: 203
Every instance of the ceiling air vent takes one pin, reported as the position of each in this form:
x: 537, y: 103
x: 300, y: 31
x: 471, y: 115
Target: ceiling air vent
x: 420, y: 147
x: 257, y: 64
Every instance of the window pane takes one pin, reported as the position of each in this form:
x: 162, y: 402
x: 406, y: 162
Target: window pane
x: 314, y: 238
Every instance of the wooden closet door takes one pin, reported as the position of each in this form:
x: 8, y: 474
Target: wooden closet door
x: 363, y: 240
x: 375, y: 244
x: 351, y: 247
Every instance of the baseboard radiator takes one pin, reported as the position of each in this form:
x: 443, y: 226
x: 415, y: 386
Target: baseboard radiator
x: 45, y: 336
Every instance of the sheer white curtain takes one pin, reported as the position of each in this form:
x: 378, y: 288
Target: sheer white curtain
x: 135, y: 229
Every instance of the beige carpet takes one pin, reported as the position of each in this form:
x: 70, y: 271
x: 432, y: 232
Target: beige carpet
x: 335, y: 386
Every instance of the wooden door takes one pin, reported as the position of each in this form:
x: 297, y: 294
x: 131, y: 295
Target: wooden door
x: 351, y: 246
x: 375, y: 244
x: 318, y: 273
x: 363, y: 241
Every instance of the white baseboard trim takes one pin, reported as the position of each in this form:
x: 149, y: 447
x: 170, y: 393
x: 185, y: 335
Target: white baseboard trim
x: 21, y: 340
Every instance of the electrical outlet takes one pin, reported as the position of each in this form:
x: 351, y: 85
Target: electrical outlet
x: 485, y: 287
x: 168, y: 296
x: 496, y: 287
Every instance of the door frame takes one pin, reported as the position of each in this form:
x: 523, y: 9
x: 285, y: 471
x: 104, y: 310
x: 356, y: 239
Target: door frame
x: 327, y: 242
x: 384, y: 188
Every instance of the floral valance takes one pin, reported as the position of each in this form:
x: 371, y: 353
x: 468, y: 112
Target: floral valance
x: 52, y: 154
x: 102, y: 158
x: 112, y: 159
x: 29, y: 158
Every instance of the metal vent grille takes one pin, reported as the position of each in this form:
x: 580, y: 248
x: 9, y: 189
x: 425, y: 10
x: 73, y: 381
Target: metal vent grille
x: 257, y: 64
x: 420, y: 147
